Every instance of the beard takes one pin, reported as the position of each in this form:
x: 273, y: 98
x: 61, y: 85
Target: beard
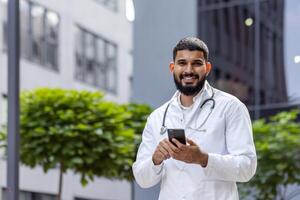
x: 189, y: 90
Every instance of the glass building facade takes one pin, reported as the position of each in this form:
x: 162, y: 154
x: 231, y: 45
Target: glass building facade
x: 228, y: 27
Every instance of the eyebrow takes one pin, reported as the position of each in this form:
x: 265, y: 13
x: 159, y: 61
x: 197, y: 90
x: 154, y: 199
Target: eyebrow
x: 199, y: 59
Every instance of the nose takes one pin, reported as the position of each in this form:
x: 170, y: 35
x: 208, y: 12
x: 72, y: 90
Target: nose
x: 189, y: 68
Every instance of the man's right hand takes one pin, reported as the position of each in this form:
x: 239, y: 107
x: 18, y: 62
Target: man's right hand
x: 162, y: 152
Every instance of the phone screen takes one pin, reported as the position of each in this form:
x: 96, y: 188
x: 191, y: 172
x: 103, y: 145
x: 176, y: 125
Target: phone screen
x: 178, y: 134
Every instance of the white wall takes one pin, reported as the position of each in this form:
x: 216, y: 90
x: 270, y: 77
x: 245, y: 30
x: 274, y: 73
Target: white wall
x: 35, y: 180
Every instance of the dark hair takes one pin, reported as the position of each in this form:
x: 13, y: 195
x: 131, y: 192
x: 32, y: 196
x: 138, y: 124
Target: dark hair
x: 192, y: 44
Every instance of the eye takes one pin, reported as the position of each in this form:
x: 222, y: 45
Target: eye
x: 197, y: 63
x: 181, y: 62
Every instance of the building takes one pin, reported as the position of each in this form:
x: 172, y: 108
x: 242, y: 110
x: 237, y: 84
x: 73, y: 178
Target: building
x: 157, y: 27
x: 227, y: 27
x: 79, y: 45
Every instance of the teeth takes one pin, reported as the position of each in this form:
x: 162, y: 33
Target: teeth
x: 188, y: 78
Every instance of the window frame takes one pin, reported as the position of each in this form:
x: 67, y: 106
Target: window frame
x: 45, y: 41
x: 102, y: 66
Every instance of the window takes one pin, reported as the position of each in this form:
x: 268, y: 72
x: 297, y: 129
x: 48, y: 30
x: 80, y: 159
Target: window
x: 96, y: 60
x: 110, y: 4
x: 25, y: 195
x: 3, y: 13
x: 3, y: 114
x: 39, y: 33
x: 25, y: 43
x: 79, y: 198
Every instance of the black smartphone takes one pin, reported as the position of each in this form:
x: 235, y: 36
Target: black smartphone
x: 178, y: 134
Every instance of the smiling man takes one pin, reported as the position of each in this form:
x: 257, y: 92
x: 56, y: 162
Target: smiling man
x: 219, y: 149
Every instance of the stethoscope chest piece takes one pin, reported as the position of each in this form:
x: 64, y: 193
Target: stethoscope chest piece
x: 163, y: 129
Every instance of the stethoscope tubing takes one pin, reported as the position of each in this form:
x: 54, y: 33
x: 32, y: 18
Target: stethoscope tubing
x: 163, y: 126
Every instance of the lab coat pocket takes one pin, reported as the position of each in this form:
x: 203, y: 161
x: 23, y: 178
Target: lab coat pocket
x: 198, y: 137
x: 211, y: 138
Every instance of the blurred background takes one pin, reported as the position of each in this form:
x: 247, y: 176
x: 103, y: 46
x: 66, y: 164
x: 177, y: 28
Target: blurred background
x: 123, y: 48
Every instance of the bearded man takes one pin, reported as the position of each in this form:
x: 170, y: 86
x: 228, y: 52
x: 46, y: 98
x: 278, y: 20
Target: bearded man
x: 219, y: 149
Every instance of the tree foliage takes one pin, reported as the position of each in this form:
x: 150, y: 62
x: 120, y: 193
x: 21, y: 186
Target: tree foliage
x: 80, y: 131
x: 277, y: 144
x: 137, y: 121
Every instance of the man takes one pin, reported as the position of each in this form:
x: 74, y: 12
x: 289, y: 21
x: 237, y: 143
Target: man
x: 220, y: 149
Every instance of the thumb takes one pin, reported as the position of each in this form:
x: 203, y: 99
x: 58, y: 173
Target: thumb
x: 191, y: 142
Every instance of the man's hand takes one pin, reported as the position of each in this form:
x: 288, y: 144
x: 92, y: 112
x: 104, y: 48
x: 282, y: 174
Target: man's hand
x: 188, y: 153
x: 162, y: 152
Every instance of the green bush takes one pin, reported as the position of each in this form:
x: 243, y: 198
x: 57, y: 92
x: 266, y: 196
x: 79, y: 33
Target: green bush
x: 277, y: 144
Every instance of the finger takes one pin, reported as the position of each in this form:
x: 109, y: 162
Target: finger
x: 166, y: 145
x: 163, y: 151
x: 162, y: 144
x: 179, y: 145
x: 191, y: 142
x: 161, y: 155
x: 174, y: 148
x: 178, y: 156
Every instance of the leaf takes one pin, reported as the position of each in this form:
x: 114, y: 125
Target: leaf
x: 83, y: 180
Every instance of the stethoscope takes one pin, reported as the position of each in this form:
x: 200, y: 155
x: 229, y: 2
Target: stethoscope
x: 164, y: 128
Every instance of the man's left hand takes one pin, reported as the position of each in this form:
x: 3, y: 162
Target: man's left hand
x: 188, y: 153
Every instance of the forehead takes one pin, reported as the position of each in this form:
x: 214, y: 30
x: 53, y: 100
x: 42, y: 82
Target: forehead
x: 189, y: 55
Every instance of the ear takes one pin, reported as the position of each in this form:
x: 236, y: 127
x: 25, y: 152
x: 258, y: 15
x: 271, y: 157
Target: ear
x: 171, y: 67
x: 208, y: 68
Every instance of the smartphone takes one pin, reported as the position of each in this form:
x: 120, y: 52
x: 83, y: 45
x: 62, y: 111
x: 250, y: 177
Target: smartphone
x: 178, y: 134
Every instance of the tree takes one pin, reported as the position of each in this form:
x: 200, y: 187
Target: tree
x: 76, y: 130
x: 137, y: 120
x: 278, y: 151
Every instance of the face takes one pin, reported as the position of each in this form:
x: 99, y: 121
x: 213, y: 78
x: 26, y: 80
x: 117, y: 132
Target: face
x: 190, y: 70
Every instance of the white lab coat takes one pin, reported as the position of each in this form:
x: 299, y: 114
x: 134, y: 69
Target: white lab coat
x: 226, y: 137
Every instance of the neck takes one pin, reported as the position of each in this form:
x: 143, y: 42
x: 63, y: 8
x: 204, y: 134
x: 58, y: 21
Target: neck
x: 186, y: 101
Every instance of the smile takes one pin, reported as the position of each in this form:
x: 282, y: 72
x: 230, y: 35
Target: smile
x: 189, y: 78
